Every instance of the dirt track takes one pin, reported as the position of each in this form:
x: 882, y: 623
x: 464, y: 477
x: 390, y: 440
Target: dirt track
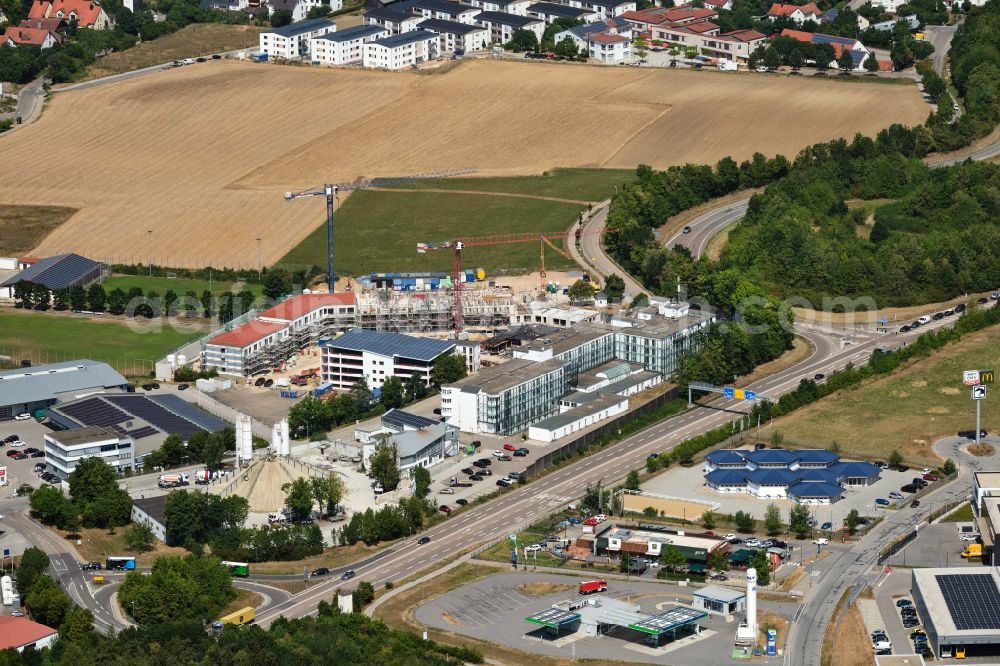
x: 201, y: 155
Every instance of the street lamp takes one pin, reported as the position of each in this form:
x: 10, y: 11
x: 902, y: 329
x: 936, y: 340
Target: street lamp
x: 149, y: 233
x: 258, y: 259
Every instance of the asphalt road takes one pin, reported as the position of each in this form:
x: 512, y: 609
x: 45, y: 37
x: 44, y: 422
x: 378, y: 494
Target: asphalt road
x: 940, y: 38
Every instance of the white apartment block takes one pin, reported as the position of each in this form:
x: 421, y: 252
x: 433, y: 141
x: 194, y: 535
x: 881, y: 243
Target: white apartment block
x: 456, y: 36
x: 378, y: 355
x: 447, y: 10
x: 502, y: 26
x: 293, y: 41
x: 64, y: 449
x: 402, y: 51
x: 347, y: 46
x: 515, y: 7
x: 610, y: 49
x: 394, y: 21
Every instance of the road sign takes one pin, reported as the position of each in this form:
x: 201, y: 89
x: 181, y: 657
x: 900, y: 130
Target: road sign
x: 750, y: 395
x: 970, y: 377
x: 728, y: 392
x: 738, y: 394
x: 985, y: 376
x: 978, y: 392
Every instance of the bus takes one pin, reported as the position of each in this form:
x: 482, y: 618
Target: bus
x: 241, y: 569
x: 242, y: 616
x: 116, y: 562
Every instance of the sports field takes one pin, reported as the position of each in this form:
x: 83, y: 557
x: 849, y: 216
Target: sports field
x: 907, y: 411
x: 51, y: 338
x: 379, y: 231
x: 200, y: 156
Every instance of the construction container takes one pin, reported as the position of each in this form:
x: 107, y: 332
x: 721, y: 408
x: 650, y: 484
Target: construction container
x: 480, y: 274
x: 289, y: 394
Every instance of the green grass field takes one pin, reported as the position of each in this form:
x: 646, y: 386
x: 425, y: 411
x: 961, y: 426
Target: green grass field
x: 379, y: 231
x: 51, y: 338
x: 577, y: 184
x: 179, y: 285
x: 908, y: 410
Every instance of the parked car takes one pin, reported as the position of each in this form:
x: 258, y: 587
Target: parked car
x: 11, y: 438
x: 469, y: 471
x: 447, y: 491
x: 819, y: 376
x: 521, y: 452
x: 422, y: 540
x: 37, y: 454
x: 753, y: 543
x: 821, y: 542
x: 509, y: 447
x: 480, y: 464
x: 914, y: 504
x: 591, y: 521
x: 903, y: 603
x: 497, y: 453
x: 826, y: 526
x: 881, y: 501
x: 504, y: 459
x: 969, y: 537
x: 931, y: 477
x: 444, y: 508
x: 533, y: 548
x: 574, y: 520
x: 728, y: 537
x: 22, y: 417
x: 461, y: 501
x: 504, y: 482
x: 322, y: 571
x: 514, y: 475
x: 476, y: 477
x: 183, y: 387
x: 90, y: 566
x: 895, y: 494
x: 31, y: 449
x: 348, y: 575
x: 767, y: 543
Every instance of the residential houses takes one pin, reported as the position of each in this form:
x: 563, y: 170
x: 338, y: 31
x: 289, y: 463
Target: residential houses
x: 402, y: 51
x: 86, y: 13
x: 293, y: 41
x: 609, y: 48
x: 503, y: 26
x: 807, y: 12
x: 857, y: 50
x: 396, y: 22
x: 516, y: 7
x: 608, y: 41
x: 227, y: 5
x: 25, y: 36
x: 446, y: 10
x: 454, y: 36
x: 298, y: 8
x: 345, y: 47
x: 692, y: 28
x: 604, y: 9
x: 550, y: 11
x: 581, y: 33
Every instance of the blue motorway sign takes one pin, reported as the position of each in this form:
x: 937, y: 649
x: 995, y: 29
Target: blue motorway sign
x: 750, y: 395
x: 728, y: 391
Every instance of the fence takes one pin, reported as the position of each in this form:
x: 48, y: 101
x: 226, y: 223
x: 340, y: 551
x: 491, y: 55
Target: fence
x: 12, y: 355
x: 612, y: 427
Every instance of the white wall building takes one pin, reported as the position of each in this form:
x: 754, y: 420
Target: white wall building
x: 472, y: 351
x: 347, y: 46
x: 502, y: 26
x: 229, y: 352
x: 516, y: 7
x: 402, y: 51
x: 456, y: 36
x: 378, y: 355
x: 18, y: 633
x: 65, y: 448
x: 447, y: 10
x: 578, y: 418
x: 394, y: 21
x: 293, y: 40
x: 610, y: 49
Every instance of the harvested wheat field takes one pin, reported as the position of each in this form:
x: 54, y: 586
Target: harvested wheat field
x: 200, y: 155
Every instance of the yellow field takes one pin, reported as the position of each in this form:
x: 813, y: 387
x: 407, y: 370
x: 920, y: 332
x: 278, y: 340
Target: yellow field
x: 200, y: 155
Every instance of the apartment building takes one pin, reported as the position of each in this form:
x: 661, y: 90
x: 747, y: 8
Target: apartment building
x: 454, y: 36
x: 347, y: 46
x: 502, y: 26
x: 293, y: 41
x: 402, y: 51
x: 378, y: 355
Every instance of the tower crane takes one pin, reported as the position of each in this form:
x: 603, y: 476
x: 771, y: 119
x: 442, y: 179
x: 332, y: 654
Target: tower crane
x: 330, y: 191
x: 459, y: 244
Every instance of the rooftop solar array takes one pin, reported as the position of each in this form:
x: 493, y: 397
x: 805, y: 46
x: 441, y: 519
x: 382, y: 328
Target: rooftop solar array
x: 94, y: 412
x: 401, y: 418
x: 59, y: 272
x: 178, y: 405
x: 392, y: 344
x: 677, y: 616
x: 155, y: 415
x: 553, y: 617
x: 972, y: 599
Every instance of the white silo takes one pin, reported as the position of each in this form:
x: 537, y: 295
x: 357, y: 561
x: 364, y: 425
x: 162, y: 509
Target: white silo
x: 285, y: 439
x: 276, y: 439
x: 752, y: 601
x: 244, y: 438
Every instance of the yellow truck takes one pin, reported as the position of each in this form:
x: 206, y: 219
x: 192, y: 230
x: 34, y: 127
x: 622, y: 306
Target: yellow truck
x: 240, y: 617
x: 973, y: 550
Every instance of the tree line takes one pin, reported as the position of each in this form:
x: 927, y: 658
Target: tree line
x: 95, y: 499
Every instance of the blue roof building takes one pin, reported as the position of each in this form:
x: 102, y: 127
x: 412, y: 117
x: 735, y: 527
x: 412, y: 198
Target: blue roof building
x: 807, y: 476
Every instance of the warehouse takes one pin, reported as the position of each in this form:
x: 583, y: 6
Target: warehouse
x: 28, y: 390
x: 63, y: 271
x: 20, y: 633
x: 378, y: 355
x: 578, y: 418
x: 960, y: 608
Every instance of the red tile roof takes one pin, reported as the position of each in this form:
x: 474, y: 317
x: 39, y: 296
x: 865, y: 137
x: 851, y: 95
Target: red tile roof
x: 800, y: 35
x: 778, y: 9
x: 658, y: 15
x: 17, y: 632
x: 51, y: 24
x: 885, y: 65
x: 87, y: 11
x: 247, y: 334
x: 743, y: 35
x: 605, y: 38
x: 30, y: 36
x: 303, y: 304
x: 29, y: 260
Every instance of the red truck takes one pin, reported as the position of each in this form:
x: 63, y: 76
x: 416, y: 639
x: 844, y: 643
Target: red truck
x: 592, y: 586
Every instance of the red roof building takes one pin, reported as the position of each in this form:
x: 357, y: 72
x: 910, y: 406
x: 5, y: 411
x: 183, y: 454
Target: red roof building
x: 17, y: 633
x: 299, y: 306
x: 86, y: 13
x: 657, y: 16
x: 247, y: 334
x: 806, y: 12
x: 40, y: 37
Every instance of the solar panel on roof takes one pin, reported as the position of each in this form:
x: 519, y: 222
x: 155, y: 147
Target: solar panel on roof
x: 178, y: 405
x: 155, y: 415
x: 972, y: 599
x: 671, y: 619
x: 392, y: 344
x: 94, y: 412
x: 402, y: 418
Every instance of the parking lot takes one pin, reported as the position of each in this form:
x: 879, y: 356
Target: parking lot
x: 689, y: 482
x: 493, y: 608
x: 21, y: 471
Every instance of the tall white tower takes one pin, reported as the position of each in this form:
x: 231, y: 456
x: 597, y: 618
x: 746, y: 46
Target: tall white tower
x: 752, y: 601
x: 244, y: 439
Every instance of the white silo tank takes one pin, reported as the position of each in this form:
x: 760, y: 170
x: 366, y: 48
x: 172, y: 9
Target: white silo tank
x: 182, y: 359
x: 752, y: 600
x: 285, y: 439
x: 276, y: 439
x: 172, y: 360
x: 244, y: 437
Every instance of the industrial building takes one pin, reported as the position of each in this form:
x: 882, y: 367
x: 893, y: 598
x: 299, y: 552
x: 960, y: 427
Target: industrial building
x: 578, y: 418
x: 64, y: 449
x: 28, y: 390
x: 20, y: 633
x: 378, y: 355
x: 153, y: 512
x: 960, y: 607
x: 809, y: 476
x: 419, y: 441
x: 63, y: 271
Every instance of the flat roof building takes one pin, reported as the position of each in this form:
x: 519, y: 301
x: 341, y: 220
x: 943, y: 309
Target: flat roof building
x: 960, y: 606
x: 407, y: 49
x: 153, y: 512
x: 65, y: 449
x: 27, y: 390
x: 378, y: 355
x: 723, y: 600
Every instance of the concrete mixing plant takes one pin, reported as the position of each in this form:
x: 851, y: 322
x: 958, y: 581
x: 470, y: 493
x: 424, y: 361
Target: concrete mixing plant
x: 244, y: 439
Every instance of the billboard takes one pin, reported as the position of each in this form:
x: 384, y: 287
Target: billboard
x: 3, y: 476
x: 977, y: 377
